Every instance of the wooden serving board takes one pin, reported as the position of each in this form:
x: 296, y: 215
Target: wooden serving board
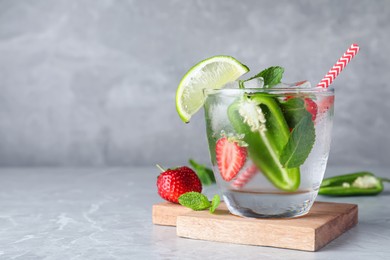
x: 325, y: 222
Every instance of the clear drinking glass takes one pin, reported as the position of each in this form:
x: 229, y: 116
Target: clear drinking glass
x: 285, y: 134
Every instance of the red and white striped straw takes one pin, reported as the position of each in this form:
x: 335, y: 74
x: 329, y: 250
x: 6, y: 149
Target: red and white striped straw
x: 245, y: 177
x: 339, y: 66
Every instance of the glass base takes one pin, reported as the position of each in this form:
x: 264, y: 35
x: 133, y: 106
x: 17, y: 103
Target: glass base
x: 269, y: 205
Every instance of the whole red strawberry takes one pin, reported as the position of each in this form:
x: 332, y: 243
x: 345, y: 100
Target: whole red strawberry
x: 174, y: 182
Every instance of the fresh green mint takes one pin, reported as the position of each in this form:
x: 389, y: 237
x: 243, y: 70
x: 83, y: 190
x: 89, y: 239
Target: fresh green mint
x: 271, y: 76
x: 294, y: 110
x: 194, y: 200
x: 214, y: 203
x: 299, y: 144
x: 198, y: 201
x: 205, y: 174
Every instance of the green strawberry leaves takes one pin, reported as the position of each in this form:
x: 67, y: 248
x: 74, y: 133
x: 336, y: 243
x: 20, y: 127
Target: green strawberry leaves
x: 205, y: 174
x: 198, y: 201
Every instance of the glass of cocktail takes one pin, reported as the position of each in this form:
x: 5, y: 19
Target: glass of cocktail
x: 268, y: 141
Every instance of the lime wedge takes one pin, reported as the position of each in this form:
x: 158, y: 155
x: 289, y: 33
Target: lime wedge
x: 211, y: 73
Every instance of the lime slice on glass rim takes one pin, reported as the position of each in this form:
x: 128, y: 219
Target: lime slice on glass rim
x: 211, y: 73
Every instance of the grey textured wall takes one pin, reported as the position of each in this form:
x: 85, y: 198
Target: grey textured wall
x: 93, y: 82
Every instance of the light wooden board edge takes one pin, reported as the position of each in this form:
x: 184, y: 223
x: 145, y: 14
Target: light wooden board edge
x: 321, y: 230
x: 246, y: 233
x: 310, y: 238
x: 166, y: 213
x: 333, y: 229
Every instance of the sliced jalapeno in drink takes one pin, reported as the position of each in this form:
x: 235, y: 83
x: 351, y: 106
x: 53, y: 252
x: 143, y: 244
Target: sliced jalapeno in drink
x: 353, y: 184
x: 260, y: 120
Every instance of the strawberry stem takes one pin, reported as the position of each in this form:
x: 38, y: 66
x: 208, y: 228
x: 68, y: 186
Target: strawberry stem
x: 161, y: 168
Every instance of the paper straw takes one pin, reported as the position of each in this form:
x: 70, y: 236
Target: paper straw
x: 339, y: 66
x: 245, y: 177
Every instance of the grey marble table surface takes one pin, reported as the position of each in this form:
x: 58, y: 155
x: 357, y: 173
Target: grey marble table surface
x: 100, y: 213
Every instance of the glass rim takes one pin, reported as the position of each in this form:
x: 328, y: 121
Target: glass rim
x: 315, y: 90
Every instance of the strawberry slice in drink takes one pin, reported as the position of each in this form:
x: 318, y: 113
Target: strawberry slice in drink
x: 230, y: 157
x: 312, y: 108
x: 325, y: 104
x: 310, y: 105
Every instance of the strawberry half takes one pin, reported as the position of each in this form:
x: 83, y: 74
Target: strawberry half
x: 230, y: 157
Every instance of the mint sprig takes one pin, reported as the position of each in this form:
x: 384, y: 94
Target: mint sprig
x: 271, y: 76
x: 299, y: 144
x: 198, y: 201
x: 205, y: 174
x: 194, y: 200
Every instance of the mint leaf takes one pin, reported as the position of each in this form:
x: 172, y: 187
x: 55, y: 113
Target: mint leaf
x: 296, y: 114
x: 205, y: 174
x: 271, y: 76
x: 214, y: 203
x: 198, y: 201
x: 294, y: 110
x: 299, y: 144
x: 194, y: 200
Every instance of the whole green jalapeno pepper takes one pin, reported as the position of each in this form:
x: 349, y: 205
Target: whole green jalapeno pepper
x: 353, y: 184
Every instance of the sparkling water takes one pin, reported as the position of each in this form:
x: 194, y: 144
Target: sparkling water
x: 254, y: 194
x: 269, y: 204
